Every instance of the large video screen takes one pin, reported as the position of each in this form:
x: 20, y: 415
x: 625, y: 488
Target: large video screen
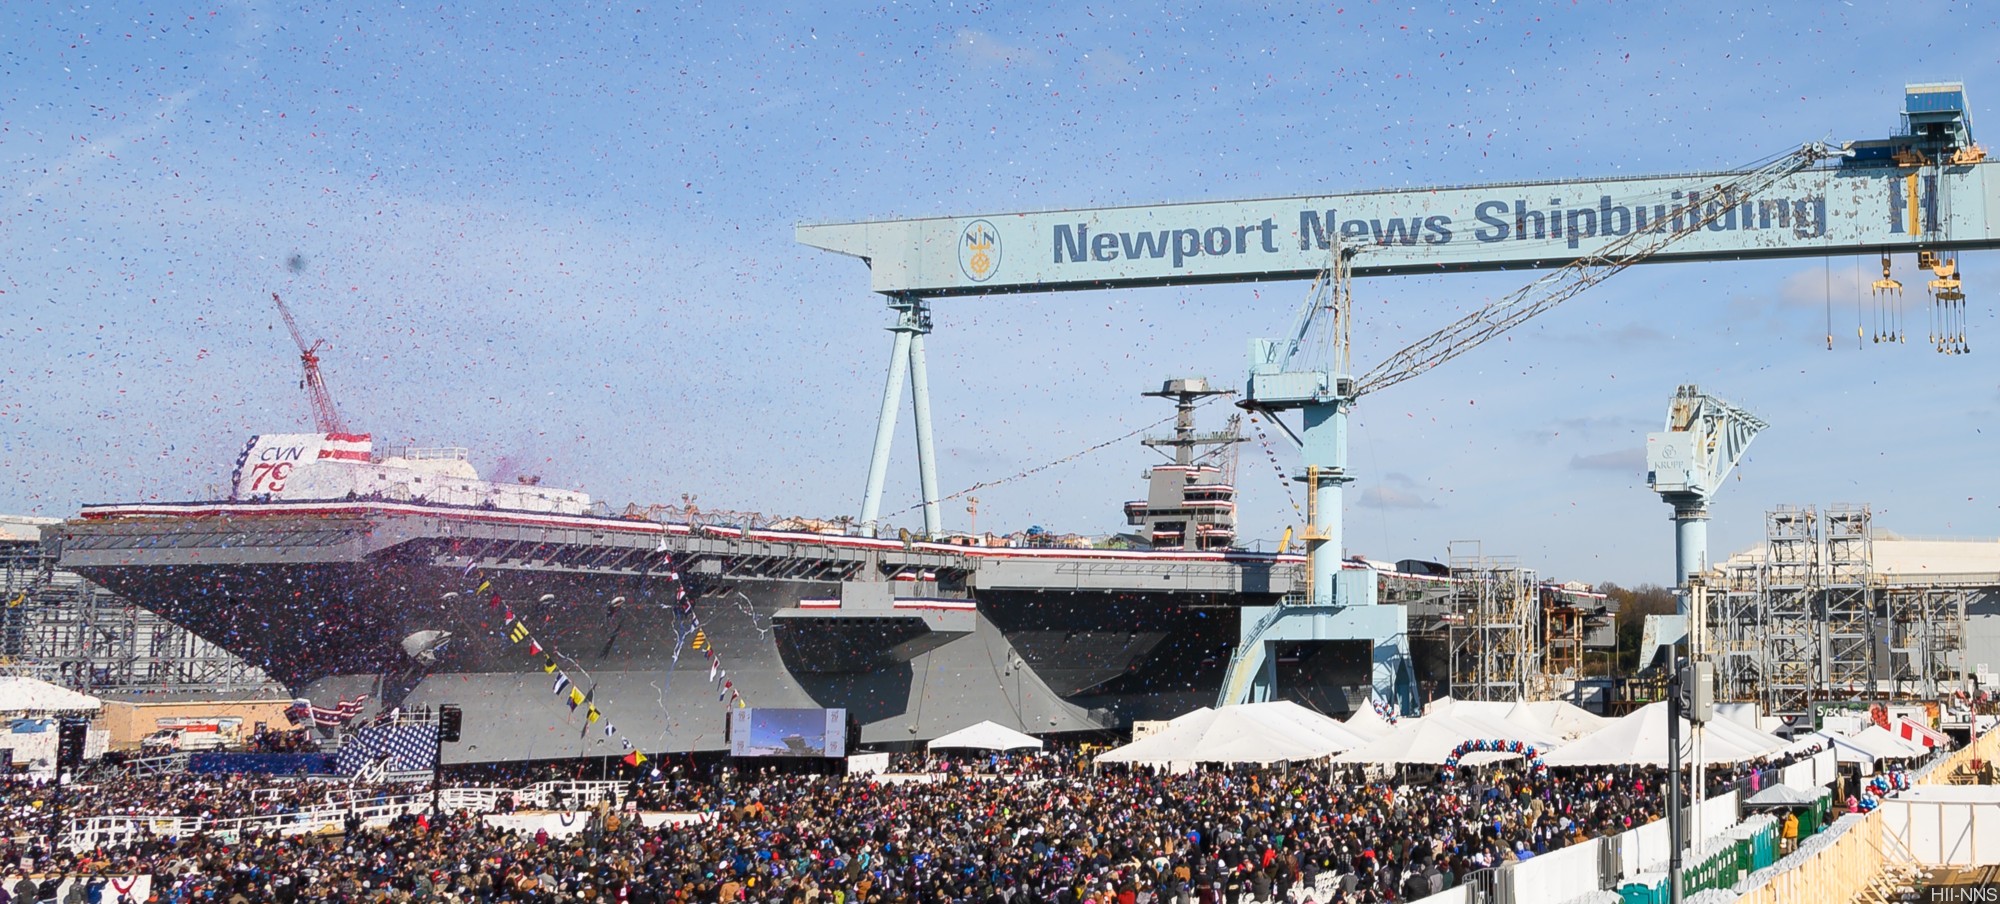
x: 788, y: 732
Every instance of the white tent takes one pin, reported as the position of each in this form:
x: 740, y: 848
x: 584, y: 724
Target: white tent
x: 1550, y: 721
x: 1505, y: 720
x: 1249, y: 733
x: 1430, y: 740
x: 1783, y: 795
x: 1884, y: 744
x: 1640, y: 739
x: 1568, y: 720
x: 1368, y: 723
x: 26, y: 695
x: 986, y: 736
x: 1290, y: 715
x: 1845, y: 750
x: 1741, y: 735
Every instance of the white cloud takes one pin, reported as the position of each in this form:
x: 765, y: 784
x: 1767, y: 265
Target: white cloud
x: 1386, y: 497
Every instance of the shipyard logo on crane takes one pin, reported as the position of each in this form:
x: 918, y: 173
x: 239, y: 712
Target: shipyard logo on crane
x: 979, y: 250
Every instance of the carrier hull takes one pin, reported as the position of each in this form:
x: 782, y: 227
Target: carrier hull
x: 914, y: 640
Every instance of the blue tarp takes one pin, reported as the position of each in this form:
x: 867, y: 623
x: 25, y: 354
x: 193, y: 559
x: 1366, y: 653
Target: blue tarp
x: 261, y: 763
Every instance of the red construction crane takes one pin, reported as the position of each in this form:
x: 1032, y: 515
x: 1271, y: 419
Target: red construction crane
x: 324, y: 415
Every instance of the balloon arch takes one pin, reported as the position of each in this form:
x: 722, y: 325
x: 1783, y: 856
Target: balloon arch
x: 1491, y: 745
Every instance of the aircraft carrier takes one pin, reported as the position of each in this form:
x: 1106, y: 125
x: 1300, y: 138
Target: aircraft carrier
x: 343, y: 571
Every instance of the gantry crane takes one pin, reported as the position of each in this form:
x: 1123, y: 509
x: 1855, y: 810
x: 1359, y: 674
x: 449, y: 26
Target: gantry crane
x: 1307, y: 371
x: 325, y: 418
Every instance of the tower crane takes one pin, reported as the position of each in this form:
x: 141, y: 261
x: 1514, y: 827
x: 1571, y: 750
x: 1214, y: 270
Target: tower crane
x: 1308, y: 371
x: 325, y: 418
x: 1687, y: 462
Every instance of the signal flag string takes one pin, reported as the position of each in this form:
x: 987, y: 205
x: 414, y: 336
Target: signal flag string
x: 1277, y: 467
x: 565, y: 686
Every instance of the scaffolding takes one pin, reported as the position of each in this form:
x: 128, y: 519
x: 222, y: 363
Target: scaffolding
x: 1814, y: 620
x: 1790, y: 624
x: 1848, y: 602
x: 1735, y: 633
x: 60, y: 628
x: 1926, y: 636
x: 1492, y: 656
x: 1562, y: 641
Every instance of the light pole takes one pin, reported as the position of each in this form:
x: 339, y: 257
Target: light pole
x: 450, y: 723
x: 1674, y: 796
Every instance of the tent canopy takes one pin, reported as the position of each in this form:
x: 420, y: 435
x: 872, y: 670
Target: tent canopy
x: 1368, y: 723
x: 1247, y: 733
x: 1639, y: 738
x: 1430, y: 740
x: 1783, y: 795
x: 1881, y: 744
x: 1514, y: 720
x: 986, y: 736
x: 27, y: 695
x: 1741, y: 735
x: 1567, y: 719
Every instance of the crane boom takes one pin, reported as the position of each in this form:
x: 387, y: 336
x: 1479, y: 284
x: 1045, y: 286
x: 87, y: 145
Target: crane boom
x: 326, y: 418
x: 1565, y: 282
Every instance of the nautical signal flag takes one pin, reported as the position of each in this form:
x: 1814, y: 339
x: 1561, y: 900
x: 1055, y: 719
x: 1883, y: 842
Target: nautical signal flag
x: 700, y: 639
x: 591, y: 715
x: 575, y: 699
x: 534, y: 647
x: 634, y: 758
x: 549, y: 665
x: 519, y: 632
x: 482, y: 587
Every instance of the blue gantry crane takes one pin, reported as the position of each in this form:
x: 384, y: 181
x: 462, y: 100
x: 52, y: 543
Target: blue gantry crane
x: 1308, y: 371
x: 1926, y: 188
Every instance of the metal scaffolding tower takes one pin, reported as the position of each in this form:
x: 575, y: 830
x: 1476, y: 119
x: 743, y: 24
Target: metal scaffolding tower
x: 60, y: 628
x: 1562, y: 640
x: 1848, y: 601
x: 1926, y: 636
x: 1814, y: 620
x: 1492, y: 657
x: 1735, y: 634
x: 1790, y: 629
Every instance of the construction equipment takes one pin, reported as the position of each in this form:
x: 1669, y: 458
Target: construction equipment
x: 1307, y: 371
x: 1947, y: 303
x: 1888, y: 293
x: 325, y: 418
x: 1686, y: 464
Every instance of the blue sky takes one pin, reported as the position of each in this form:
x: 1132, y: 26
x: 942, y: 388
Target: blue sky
x: 562, y: 236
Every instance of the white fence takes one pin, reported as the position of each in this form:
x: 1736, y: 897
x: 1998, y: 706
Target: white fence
x: 1946, y: 825
x: 371, y: 809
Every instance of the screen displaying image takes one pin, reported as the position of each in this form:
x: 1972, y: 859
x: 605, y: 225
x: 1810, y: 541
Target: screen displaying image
x: 788, y: 732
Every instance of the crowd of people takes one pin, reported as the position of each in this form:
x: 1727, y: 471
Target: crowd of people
x: 1049, y: 830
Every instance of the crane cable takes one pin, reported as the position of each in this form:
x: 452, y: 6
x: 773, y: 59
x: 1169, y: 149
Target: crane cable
x: 1050, y: 464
